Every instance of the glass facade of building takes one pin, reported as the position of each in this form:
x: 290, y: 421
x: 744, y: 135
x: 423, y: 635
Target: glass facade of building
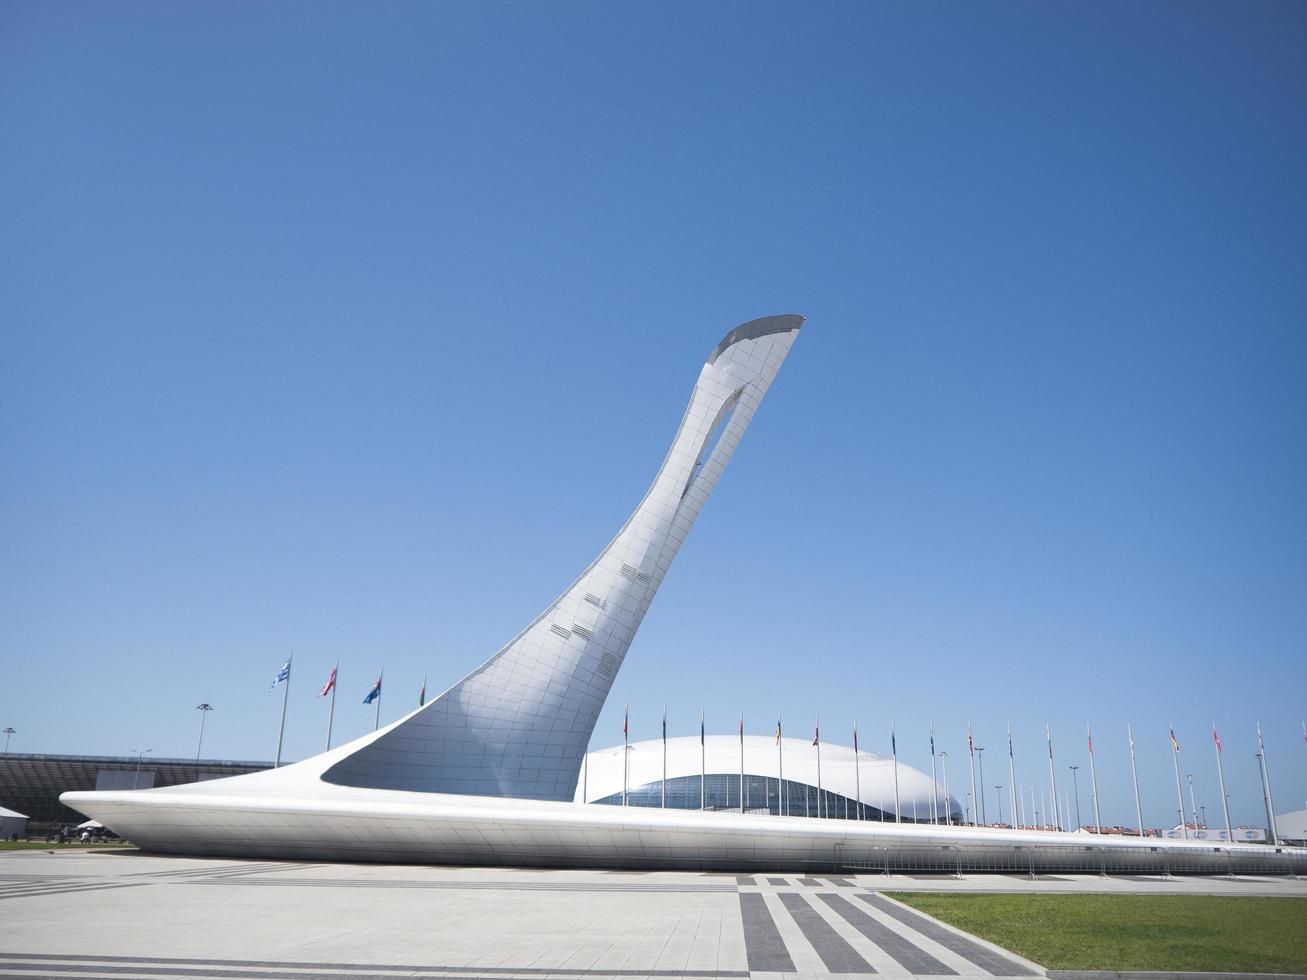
x: 762, y: 794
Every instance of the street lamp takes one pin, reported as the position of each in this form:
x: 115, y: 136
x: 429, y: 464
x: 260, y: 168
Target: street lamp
x: 998, y: 791
x: 980, y: 751
x: 1192, y: 805
x: 140, y: 755
x: 11, y: 730
x: 1075, y: 780
x: 203, y: 709
x: 948, y: 809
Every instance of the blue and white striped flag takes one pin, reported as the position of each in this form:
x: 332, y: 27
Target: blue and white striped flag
x: 282, y: 675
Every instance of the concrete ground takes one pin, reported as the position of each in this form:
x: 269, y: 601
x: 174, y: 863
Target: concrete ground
x: 120, y: 914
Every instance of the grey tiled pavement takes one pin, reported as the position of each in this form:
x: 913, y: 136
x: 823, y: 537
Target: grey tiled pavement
x: 118, y: 916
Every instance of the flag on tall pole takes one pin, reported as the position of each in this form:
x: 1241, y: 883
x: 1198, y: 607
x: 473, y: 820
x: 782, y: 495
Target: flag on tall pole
x: 374, y: 699
x: 934, y: 785
x: 894, y: 751
x: 1093, y: 778
x: 1012, y: 777
x: 422, y: 692
x: 816, y: 740
x: 1266, y: 779
x: 1134, y: 772
x: 1179, y: 796
x: 1220, y: 772
x: 971, y: 758
x: 626, y: 749
x: 780, y: 770
x: 857, y: 768
x: 1052, y: 775
x: 283, y: 676
x: 330, y: 688
x: 664, y: 757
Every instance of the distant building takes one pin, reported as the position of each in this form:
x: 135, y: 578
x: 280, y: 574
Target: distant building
x: 1242, y: 835
x: 32, y: 783
x: 12, y: 823
x: 1292, y: 827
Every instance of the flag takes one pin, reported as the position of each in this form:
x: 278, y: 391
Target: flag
x: 1009, y: 740
x: 932, y: 739
x: 1260, y: 743
x: 375, y: 692
x: 893, y: 745
x: 1216, y: 738
x: 331, y: 683
x: 1129, y: 733
x: 1048, y: 733
x: 664, y: 723
x: 1090, y: 731
x: 282, y: 675
x: 778, y: 731
x: 701, y: 726
x: 971, y: 746
x: 855, y: 738
x: 741, y: 728
x: 626, y: 721
x: 816, y: 734
x: 1174, y: 744
x: 422, y: 694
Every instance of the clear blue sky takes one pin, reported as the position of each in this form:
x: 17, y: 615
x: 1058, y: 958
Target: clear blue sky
x: 356, y: 331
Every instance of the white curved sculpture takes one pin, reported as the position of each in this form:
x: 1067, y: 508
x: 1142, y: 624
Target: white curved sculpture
x: 486, y: 773
x: 518, y: 725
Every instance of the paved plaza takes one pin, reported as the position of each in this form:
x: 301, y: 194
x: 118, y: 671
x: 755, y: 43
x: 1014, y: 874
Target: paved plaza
x: 122, y: 914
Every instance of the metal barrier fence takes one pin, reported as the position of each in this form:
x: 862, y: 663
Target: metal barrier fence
x: 1075, y: 858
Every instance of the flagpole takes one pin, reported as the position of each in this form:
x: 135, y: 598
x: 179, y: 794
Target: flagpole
x: 817, y: 742
x: 1134, y: 772
x: 934, y: 785
x: 894, y: 750
x: 1052, y: 774
x: 1266, y: 778
x: 626, y: 751
x: 781, y: 795
x: 281, y: 729
x: 585, y: 776
x: 741, y: 763
x: 948, y: 810
x: 1012, y: 775
x: 1179, y: 796
x: 1043, y: 809
x: 1225, y: 800
x: 857, y: 767
x: 664, y: 757
x: 971, y: 758
x: 331, y: 708
x: 703, y: 767
x: 1093, y: 779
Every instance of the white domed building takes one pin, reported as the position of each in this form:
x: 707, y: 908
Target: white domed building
x: 708, y: 776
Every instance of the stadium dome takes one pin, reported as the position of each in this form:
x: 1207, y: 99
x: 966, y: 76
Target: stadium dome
x: 720, y: 756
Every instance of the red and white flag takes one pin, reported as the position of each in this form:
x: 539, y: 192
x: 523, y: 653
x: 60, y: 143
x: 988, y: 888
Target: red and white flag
x: 1090, y: 732
x: 331, y: 682
x: 1216, y: 738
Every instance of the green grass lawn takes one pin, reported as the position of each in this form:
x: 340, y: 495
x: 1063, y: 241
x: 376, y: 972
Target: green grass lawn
x: 1134, y: 932
x: 22, y: 845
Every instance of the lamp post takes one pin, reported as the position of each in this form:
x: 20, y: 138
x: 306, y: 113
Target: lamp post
x: 980, y: 753
x: 948, y: 810
x: 1075, y: 779
x: 10, y: 731
x: 1192, y: 805
x: 203, y: 709
x: 140, y: 755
